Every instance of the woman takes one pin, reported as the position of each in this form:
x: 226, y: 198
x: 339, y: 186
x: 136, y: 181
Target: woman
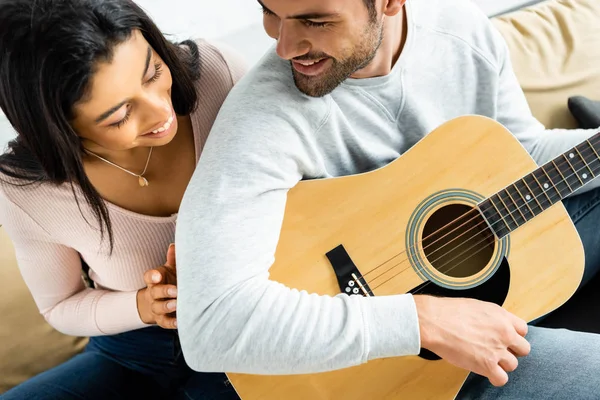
x: 111, y: 119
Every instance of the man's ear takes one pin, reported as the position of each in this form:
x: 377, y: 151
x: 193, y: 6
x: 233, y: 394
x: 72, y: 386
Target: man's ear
x: 393, y: 7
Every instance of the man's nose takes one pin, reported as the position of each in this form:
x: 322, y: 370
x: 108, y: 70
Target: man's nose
x: 290, y: 44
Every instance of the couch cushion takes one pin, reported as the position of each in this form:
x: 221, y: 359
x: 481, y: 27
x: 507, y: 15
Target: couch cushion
x: 29, y: 345
x: 495, y: 7
x: 555, y: 49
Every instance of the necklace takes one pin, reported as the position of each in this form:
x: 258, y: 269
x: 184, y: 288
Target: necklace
x: 141, y: 180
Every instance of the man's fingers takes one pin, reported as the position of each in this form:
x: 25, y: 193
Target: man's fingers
x: 497, y: 376
x: 164, y: 307
x: 509, y: 363
x: 520, y: 325
x: 160, y: 292
x: 171, y: 256
x: 520, y: 346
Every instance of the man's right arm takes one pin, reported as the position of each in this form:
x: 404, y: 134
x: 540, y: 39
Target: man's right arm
x: 231, y: 316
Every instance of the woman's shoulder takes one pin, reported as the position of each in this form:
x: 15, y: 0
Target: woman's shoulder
x: 221, y: 68
x: 220, y: 63
x: 36, y: 200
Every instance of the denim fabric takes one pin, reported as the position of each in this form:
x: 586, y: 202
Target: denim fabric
x: 142, y: 364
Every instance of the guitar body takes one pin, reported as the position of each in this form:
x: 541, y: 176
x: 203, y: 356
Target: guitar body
x: 382, y: 218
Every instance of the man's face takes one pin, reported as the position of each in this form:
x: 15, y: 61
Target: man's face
x: 326, y: 41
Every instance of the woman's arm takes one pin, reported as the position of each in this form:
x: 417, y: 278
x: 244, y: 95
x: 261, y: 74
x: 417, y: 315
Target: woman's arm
x: 52, y: 273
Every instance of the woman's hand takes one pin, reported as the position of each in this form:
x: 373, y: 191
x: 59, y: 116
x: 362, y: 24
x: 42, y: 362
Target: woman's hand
x: 158, y: 301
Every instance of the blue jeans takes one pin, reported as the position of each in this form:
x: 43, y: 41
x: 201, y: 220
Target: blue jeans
x: 143, y: 364
x: 562, y: 364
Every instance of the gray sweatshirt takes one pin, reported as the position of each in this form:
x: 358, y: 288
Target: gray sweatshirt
x: 268, y: 136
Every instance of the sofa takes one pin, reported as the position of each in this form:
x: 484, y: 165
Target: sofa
x: 555, y: 48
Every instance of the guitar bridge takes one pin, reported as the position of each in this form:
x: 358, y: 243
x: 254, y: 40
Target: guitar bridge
x: 348, y: 276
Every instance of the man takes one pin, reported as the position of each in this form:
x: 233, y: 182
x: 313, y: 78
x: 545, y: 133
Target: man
x: 349, y: 87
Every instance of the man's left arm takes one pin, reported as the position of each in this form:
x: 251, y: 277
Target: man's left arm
x: 514, y: 113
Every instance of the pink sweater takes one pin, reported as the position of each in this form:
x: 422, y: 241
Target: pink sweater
x: 51, y: 237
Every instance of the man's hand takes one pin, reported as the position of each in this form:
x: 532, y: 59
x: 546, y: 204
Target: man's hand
x: 478, y: 336
x: 157, y: 302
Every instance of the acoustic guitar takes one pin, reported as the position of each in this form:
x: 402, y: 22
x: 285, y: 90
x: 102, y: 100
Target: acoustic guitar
x: 466, y: 212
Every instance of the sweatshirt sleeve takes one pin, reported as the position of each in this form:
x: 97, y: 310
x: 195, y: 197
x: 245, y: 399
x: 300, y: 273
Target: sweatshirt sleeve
x: 514, y: 113
x: 231, y: 316
x: 52, y: 272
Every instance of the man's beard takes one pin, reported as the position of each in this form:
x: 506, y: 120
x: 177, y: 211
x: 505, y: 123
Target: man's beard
x: 340, y: 70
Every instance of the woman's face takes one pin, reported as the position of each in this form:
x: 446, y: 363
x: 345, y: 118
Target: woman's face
x: 129, y: 100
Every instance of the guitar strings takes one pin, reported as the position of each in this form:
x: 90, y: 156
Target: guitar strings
x: 484, y: 239
x: 477, y: 214
x: 510, y: 213
x: 465, y: 259
x: 479, y: 224
x: 481, y: 249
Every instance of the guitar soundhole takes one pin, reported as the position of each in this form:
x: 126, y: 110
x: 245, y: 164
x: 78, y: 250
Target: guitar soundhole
x: 457, y: 241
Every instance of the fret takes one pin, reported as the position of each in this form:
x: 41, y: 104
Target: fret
x: 516, y: 204
x: 566, y: 182
x: 585, y: 167
x: 512, y: 207
x: 594, y: 159
x: 575, y: 182
x: 594, y: 142
x: 494, y: 219
x: 556, y: 181
x: 520, y: 201
x: 508, y: 214
x: 538, y: 197
x: 593, y: 149
x: 588, y: 154
x: 534, y: 206
x: 538, y: 192
x: 505, y: 213
x: 584, y: 171
x: 545, y: 187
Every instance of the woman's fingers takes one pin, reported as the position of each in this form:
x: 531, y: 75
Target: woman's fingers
x: 163, y: 274
x: 167, y: 322
x: 162, y: 307
x: 171, y: 262
x: 159, y: 292
x: 153, y: 277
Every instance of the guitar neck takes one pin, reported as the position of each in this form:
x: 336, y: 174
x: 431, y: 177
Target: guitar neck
x: 526, y: 198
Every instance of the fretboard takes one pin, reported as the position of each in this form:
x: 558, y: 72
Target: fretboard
x: 520, y: 202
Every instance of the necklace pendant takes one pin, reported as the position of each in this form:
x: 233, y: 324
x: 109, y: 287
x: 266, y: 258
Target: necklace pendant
x: 143, y: 181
